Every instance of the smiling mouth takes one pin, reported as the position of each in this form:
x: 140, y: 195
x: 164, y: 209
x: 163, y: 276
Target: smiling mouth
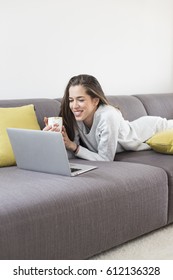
x: 77, y: 113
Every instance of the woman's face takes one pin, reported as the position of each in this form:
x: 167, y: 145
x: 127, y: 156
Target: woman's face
x: 82, y: 105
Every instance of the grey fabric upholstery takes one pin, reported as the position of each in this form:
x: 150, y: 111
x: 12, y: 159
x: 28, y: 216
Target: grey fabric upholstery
x: 158, y: 104
x: 44, y: 216
x: 154, y: 159
x: 130, y: 106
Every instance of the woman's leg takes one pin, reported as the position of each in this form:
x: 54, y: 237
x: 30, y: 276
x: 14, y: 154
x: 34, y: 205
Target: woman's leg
x: 145, y: 127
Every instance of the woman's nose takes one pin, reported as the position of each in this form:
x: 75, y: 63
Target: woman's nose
x: 75, y: 104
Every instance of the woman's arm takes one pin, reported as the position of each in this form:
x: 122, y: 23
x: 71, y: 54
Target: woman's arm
x: 107, y: 145
x: 103, y: 139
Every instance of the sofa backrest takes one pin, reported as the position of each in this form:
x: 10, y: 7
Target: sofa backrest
x: 43, y: 107
x: 131, y: 106
x: 135, y: 106
x: 158, y: 104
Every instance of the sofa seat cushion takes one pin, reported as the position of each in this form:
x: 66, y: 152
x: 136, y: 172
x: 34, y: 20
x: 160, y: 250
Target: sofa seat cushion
x: 153, y: 158
x: 45, y: 216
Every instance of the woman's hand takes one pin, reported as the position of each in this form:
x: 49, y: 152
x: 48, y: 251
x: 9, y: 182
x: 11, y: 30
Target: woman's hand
x: 47, y: 127
x: 70, y: 145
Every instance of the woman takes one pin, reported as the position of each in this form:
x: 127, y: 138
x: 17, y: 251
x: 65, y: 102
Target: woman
x: 89, y: 119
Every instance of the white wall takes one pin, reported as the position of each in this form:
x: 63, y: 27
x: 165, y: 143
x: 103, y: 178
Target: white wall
x: 126, y: 44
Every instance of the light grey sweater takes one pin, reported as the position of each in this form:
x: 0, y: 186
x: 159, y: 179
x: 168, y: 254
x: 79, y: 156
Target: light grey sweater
x: 111, y: 133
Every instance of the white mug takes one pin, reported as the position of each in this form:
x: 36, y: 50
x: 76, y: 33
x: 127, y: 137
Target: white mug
x: 57, y: 120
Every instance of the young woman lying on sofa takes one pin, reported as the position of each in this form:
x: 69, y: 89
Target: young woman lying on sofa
x: 88, y: 118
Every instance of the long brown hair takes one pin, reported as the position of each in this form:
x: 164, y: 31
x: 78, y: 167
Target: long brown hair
x: 93, y: 89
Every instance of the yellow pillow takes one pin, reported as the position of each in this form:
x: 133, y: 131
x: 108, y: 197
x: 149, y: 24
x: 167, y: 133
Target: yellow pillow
x: 162, y: 142
x: 17, y: 117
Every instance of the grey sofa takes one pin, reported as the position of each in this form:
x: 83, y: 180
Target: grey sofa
x: 45, y: 216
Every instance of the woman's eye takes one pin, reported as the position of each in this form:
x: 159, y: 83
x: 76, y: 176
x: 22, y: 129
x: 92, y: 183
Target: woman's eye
x: 78, y: 100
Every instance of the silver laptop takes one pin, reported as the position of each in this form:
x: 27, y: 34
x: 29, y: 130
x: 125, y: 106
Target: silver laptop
x: 43, y: 151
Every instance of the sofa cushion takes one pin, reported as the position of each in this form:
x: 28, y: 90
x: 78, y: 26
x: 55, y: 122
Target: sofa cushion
x: 44, y: 107
x: 153, y: 158
x: 45, y: 216
x: 157, y: 104
x: 162, y: 142
x: 18, y: 117
x: 130, y: 106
